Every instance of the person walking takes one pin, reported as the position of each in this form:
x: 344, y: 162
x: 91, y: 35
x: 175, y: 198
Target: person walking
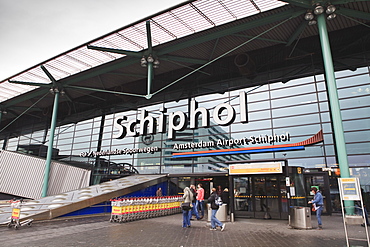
x: 194, y: 210
x: 318, y: 203
x: 214, y: 221
x: 186, y: 212
x: 225, y: 199
x: 159, y: 192
x: 200, y: 200
x: 219, y: 190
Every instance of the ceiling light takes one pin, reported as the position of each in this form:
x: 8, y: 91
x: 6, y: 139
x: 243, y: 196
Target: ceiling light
x: 313, y: 22
x: 308, y: 16
x: 143, y: 62
x: 150, y: 59
x: 330, y: 9
x: 318, y: 10
x: 331, y: 16
x: 156, y: 64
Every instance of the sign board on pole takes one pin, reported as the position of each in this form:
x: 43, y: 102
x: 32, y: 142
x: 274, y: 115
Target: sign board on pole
x: 349, y: 189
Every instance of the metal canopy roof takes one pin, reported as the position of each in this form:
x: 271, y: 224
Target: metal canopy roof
x: 196, y: 43
x: 167, y: 26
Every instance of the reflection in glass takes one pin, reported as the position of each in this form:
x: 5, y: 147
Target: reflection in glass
x: 307, y: 89
x: 295, y: 110
x: 294, y: 101
x: 356, y: 113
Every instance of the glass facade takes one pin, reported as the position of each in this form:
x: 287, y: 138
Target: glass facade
x: 298, y: 107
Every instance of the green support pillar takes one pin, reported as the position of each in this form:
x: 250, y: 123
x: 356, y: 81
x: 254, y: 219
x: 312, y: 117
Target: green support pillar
x: 51, y: 142
x: 149, y: 80
x: 334, y: 102
x: 150, y: 60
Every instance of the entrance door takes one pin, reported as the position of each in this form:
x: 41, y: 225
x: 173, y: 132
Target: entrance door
x: 260, y: 196
x: 321, y: 180
x: 244, y: 206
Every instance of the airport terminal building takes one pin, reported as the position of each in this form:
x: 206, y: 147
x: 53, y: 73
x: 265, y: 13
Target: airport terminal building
x: 203, y: 90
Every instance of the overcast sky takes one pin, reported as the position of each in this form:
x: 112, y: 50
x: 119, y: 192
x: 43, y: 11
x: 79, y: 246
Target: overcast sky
x: 32, y: 31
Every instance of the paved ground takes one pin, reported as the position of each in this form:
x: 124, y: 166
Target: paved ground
x: 167, y: 231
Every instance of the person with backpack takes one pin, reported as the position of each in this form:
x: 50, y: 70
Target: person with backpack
x: 215, y: 202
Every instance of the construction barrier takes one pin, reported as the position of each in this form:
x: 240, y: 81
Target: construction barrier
x: 137, y: 208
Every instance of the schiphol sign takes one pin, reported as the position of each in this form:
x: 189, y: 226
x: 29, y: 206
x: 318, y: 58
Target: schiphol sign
x: 261, y: 139
x: 177, y: 121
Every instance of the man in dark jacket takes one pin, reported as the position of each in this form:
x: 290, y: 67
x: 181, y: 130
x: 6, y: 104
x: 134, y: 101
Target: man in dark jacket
x: 194, y: 210
x: 214, y: 221
x: 225, y: 199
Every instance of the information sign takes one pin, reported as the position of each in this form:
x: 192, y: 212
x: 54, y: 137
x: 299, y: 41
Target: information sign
x: 256, y: 168
x: 349, y: 189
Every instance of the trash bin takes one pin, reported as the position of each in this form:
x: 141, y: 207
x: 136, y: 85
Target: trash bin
x: 221, y: 214
x: 300, y: 217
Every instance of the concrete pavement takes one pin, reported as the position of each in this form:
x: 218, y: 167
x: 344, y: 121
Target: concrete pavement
x: 167, y: 231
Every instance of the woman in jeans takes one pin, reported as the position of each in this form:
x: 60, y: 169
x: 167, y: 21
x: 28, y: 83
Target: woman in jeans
x: 214, y: 221
x: 188, y: 197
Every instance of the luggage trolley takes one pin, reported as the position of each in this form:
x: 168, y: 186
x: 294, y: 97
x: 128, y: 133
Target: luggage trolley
x: 117, y: 213
x: 137, y: 208
x: 16, y: 212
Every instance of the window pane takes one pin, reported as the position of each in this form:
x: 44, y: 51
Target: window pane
x: 358, y: 136
x: 357, y: 148
x: 294, y: 100
x: 354, y: 91
x: 297, y: 120
x: 356, y: 113
x: 308, y: 88
x: 357, y: 102
x: 356, y: 124
x: 294, y: 110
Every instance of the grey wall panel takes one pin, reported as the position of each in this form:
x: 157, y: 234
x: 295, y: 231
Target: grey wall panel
x: 23, y: 175
x: 65, y: 178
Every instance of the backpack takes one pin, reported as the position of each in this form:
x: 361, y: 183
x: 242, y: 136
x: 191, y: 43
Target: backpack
x: 218, y: 200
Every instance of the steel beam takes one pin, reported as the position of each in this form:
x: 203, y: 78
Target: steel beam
x: 35, y: 84
x: 118, y: 51
x: 104, y: 91
x: 353, y: 13
x: 297, y: 32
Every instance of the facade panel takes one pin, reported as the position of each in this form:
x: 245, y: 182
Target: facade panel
x: 273, y: 109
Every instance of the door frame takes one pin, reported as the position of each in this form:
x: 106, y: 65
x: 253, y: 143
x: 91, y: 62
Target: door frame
x: 326, y: 192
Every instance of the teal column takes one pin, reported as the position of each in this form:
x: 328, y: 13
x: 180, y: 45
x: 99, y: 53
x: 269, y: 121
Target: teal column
x: 50, y: 146
x: 149, y: 81
x: 334, y: 102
